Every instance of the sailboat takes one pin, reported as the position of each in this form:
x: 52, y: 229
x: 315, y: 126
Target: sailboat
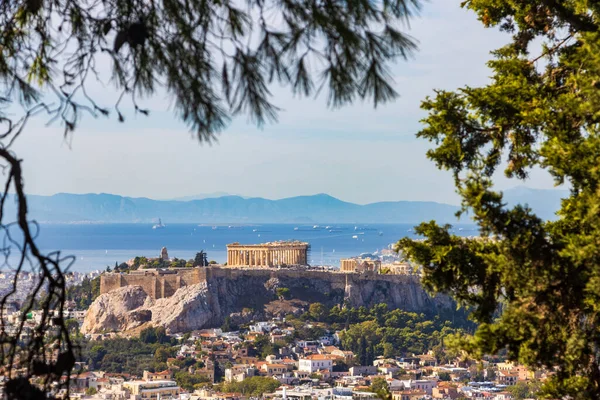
x: 160, y: 225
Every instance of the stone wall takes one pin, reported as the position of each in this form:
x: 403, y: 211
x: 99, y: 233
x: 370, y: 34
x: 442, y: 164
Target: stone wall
x: 232, y: 289
x: 156, y: 283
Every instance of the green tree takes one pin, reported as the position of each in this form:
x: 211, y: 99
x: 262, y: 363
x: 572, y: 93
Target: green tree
x: 318, y: 311
x: 524, y: 390
x: 97, y: 353
x: 161, y: 354
x: 91, y: 391
x: 380, y: 387
x: 228, y: 325
x: 200, y: 259
x: 532, y: 285
x: 254, y: 386
x: 388, y: 350
x: 154, y: 335
x: 189, y: 381
x: 85, y: 293
x: 444, y: 376
x: 283, y: 293
x: 214, y: 59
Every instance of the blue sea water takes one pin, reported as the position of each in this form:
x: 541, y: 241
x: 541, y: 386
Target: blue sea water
x: 96, y: 246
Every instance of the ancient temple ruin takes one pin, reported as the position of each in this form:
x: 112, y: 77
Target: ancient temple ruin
x: 268, y: 254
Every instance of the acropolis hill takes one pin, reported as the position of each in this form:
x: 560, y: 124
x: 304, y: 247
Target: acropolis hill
x: 192, y: 298
x: 204, y: 296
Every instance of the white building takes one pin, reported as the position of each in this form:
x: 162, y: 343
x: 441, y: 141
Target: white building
x: 152, y: 389
x: 314, y: 363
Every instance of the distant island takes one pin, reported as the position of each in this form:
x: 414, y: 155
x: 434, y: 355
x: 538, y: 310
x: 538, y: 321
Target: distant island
x: 109, y: 208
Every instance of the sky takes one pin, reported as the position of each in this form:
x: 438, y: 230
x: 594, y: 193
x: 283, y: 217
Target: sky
x: 358, y: 153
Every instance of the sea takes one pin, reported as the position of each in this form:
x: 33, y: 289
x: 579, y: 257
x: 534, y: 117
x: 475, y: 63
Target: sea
x: 96, y: 246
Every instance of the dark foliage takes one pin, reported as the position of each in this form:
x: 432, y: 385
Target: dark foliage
x: 215, y: 59
x: 540, y: 110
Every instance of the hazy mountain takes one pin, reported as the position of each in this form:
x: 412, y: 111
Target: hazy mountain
x: 545, y: 202
x: 202, y: 196
x: 64, y: 207
x: 320, y: 208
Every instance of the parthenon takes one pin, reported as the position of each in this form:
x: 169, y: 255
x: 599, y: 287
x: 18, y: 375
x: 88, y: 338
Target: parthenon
x: 267, y: 254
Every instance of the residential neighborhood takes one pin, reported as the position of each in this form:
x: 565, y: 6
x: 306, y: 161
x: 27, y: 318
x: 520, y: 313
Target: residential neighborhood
x: 207, y: 364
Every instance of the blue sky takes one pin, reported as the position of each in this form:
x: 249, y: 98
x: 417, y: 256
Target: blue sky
x: 356, y: 153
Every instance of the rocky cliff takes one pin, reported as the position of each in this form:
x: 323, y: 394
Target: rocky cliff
x: 252, y: 294
x: 129, y: 307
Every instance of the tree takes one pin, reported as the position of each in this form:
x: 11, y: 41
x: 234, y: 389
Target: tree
x: 154, y: 335
x: 388, y: 350
x: 161, y: 355
x: 444, y: 376
x: 72, y: 325
x: 381, y: 388
x: 283, y: 293
x: 91, y: 391
x: 317, y: 311
x: 200, y: 260
x: 215, y: 59
x: 254, y: 386
x: 532, y: 285
x: 228, y: 325
x: 189, y: 381
x: 524, y: 390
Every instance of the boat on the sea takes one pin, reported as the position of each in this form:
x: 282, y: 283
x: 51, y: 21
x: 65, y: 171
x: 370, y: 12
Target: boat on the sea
x: 160, y: 225
x: 355, y: 237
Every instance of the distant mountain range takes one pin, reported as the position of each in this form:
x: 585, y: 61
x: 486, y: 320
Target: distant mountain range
x: 108, y: 208
x: 203, y: 196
